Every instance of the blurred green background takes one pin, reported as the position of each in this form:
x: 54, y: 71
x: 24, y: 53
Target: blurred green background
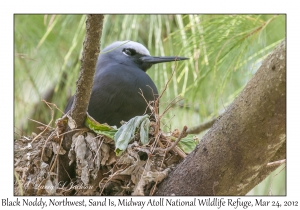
x: 224, y: 50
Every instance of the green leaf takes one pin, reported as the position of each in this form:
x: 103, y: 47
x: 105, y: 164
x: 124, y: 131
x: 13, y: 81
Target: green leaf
x: 144, y: 131
x: 126, y: 132
x: 99, y: 128
x: 119, y: 152
x: 187, y: 144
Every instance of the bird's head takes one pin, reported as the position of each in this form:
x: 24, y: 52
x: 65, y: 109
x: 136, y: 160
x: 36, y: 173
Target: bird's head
x: 132, y: 54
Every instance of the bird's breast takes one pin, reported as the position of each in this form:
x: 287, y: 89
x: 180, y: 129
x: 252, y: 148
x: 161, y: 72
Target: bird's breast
x: 120, y: 94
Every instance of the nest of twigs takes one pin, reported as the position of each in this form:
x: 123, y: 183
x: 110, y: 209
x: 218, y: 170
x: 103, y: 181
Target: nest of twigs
x: 99, y: 171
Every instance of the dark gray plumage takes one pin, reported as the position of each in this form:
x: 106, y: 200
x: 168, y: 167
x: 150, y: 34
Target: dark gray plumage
x: 120, y: 76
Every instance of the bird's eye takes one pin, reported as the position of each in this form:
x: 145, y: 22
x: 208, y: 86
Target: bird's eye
x: 129, y: 52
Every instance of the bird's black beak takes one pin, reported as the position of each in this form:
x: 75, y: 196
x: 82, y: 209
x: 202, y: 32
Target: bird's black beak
x: 158, y: 59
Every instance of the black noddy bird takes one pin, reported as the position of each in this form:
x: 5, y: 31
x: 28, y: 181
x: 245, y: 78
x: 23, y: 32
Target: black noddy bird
x: 119, y: 79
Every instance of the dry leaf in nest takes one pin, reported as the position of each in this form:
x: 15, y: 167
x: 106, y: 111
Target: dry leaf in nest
x: 144, y: 173
x: 138, y: 169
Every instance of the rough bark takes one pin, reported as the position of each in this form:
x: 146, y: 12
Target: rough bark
x: 84, y: 84
x: 232, y: 157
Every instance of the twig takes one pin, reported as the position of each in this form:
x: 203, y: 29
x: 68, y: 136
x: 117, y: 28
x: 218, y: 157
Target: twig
x: 179, y: 152
x: 283, y: 161
x: 19, y: 130
x: 98, y: 150
x: 49, y: 138
x: 170, y: 105
x: 108, y: 179
x: 181, y: 135
x: 157, y: 141
x: 54, y: 132
x: 77, y: 129
x: 52, y: 116
x: 165, y: 88
x: 63, y: 167
x: 202, y: 127
x: 147, y: 102
x: 19, y: 183
x: 276, y: 163
x: 55, y: 160
x: 154, y: 187
x: 39, y: 122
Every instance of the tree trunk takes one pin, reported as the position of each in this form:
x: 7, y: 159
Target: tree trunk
x: 232, y: 157
x: 84, y: 84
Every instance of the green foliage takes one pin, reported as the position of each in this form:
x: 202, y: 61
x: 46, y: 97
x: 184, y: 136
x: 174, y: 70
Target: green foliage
x: 224, y: 50
x: 47, y: 52
x: 274, y: 184
x: 188, y: 144
x: 123, y: 135
x: 99, y: 128
x: 126, y: 132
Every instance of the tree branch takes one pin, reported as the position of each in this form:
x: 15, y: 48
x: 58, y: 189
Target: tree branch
x: 234, y: 153
x: 84, y: 84
x: 202, y: 127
